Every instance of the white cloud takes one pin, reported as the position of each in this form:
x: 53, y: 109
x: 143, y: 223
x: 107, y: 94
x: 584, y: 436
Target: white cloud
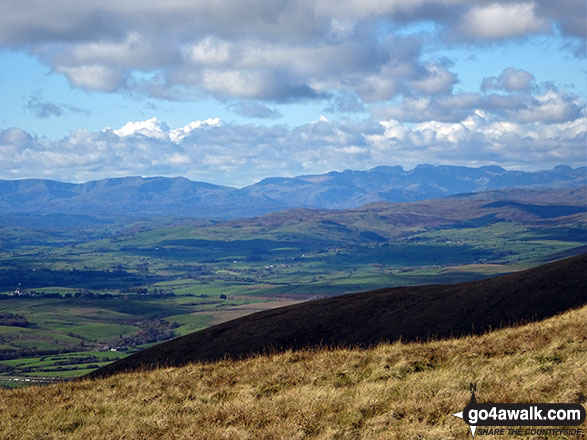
x: 481, y: 140
x: 551, y: 107
x: 156, y: 129
x: 178, y: 134
x: 93, y: 76
x: 438, y: 80
x: 496, y: 21
x: 237, y: 155
x: 447, y: 108
x: 515, y: 79
x: 152, y: 128
x: 258, y: 50
x: 237, y: 83
x: 253, y: 54
x: 510, y: 79
x: 210, y: 51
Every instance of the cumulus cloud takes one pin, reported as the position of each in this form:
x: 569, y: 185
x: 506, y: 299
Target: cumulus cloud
x: 153, y: 128
x: 255, y: 50
x: 445, y: 108
x: 178, y: 134
x: 14, y: 138
x: 222, y: 153
x: 481, y: 139
x: 569, y: 18
x: 497, y: 21
x: 351, y: 55
x: 551, y: 106
x: 437, y: 80
x: 94, y: 76
x: 510, y: 79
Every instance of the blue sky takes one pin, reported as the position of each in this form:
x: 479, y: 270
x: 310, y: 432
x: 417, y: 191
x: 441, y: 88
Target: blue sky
x: 232, y: 92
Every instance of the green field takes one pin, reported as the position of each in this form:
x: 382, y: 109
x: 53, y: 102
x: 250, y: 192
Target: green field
x: 128, y: 285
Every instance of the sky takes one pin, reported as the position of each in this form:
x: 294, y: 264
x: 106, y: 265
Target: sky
x: 231, y: 92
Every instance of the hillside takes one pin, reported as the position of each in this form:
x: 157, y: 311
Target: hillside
x: 392, y: 391
x: 368, y: 318
x: 161, y: 196
x: 376, y: 222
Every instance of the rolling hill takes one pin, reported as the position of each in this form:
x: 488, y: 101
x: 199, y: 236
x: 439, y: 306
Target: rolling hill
x: 369, y: 318
x: 385, y: 220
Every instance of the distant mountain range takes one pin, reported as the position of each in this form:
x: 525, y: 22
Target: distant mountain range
x: 131, y: 197
x: 178, y: 196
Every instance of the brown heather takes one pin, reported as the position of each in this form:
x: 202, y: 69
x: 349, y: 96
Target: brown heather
x: 392, y: 391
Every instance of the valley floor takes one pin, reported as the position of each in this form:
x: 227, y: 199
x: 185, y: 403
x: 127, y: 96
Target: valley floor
x: 392, y: 391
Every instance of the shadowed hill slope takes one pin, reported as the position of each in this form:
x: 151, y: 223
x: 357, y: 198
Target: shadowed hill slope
x: 367, y: 318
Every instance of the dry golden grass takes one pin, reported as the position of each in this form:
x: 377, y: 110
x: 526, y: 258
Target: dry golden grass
x: 393, y: 391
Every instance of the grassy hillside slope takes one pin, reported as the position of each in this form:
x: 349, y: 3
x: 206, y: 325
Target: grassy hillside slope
x: 367, y: 318
x: 392, y: 391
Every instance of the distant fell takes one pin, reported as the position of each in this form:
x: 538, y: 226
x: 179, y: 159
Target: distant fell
x: 368, y: 318
x: 131, y: 197
x: 178, y: 196
x: 351, y: 189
